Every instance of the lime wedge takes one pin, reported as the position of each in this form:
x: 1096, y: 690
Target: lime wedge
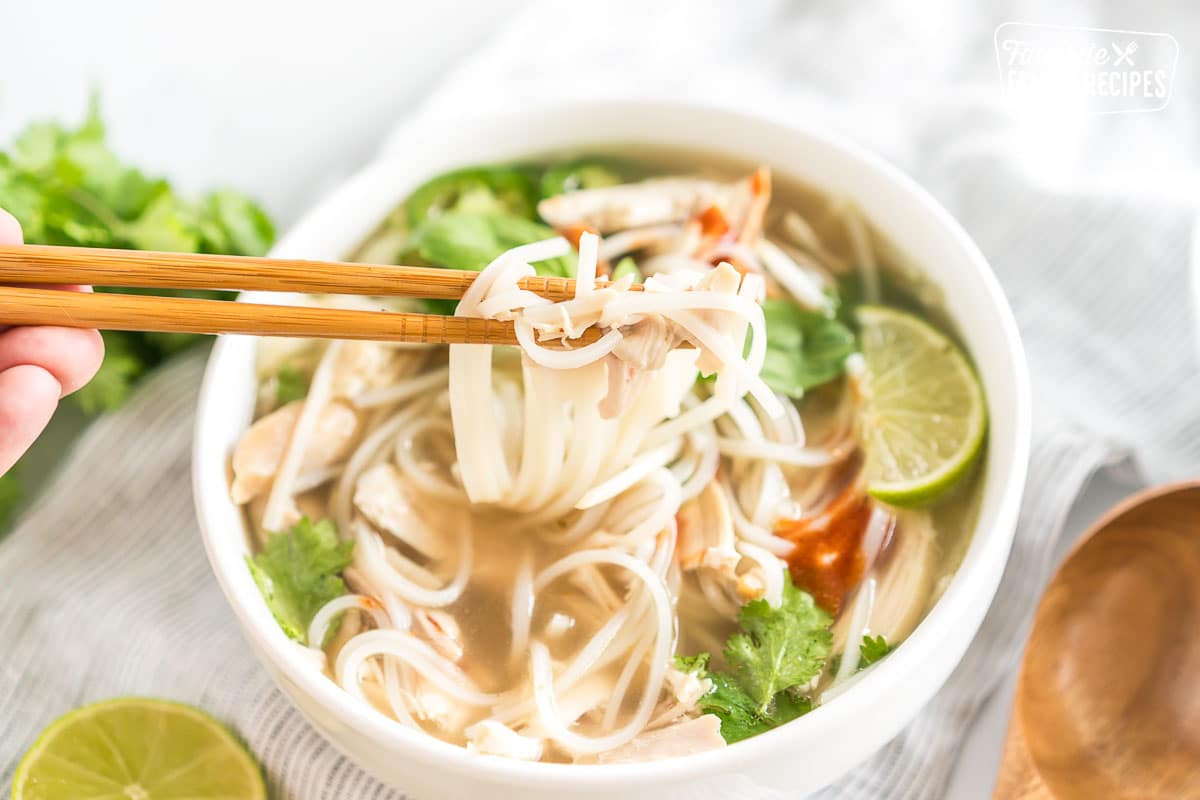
x: 137, y: 749
x: 926, y: 414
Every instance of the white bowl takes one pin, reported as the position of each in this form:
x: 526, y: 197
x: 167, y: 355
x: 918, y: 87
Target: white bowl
x: 790, y: 761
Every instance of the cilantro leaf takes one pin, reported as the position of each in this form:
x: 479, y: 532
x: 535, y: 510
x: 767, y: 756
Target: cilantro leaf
x: 777, y: 652
x: 871, y: 650
x: 290, y: 384
x: 627, y: 266
x: 695, y: 665
x: 298, y: 572
x: 474, y: 189
x: 778, y: 648
x: 123, y: 364
x: 740, y: 718
x: 804, y: 348
x: 465, y: 240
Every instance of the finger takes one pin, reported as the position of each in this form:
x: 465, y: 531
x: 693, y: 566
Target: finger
x: 10, y: 229
x: 70, y: 355
x: 28, y: 397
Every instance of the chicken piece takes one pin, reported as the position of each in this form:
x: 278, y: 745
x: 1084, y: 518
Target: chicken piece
x: 623, y: 380
x: 644, y: 347
x: 430, y: 704
x: 655, y: 238
x: 496, y: 739
x: 726, y: 280
x: 646, y: 342
x: 905, y: 575
x: 379, y: 495
x: 750, y: 585
x: 632, y: 205
x: 687, y: 688
x: 260, y: 450
x: 697, y: 735
x: 363, y: 366
x: 751, y: 222
x: 706, y: 537
x: 440, y: 629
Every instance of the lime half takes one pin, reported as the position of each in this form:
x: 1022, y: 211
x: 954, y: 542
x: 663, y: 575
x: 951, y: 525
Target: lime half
x: 926, y: 414
x: 137, y: 749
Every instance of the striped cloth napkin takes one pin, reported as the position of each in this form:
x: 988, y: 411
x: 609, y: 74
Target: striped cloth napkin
x: 105, y: 589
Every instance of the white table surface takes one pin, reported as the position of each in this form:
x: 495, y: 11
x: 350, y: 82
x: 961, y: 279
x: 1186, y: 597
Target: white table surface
x: 201, y: 98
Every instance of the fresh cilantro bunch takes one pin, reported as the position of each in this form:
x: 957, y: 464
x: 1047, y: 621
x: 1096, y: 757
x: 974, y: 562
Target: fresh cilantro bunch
x: 771, y: 662
x: 66, y: 186
x: 299, y: 571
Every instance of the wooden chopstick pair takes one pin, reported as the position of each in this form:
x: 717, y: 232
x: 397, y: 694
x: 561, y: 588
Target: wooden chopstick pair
x: 41, y: 264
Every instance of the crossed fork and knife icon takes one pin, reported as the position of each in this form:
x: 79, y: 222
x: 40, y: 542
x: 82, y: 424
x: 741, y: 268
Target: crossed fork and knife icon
x: 1124, y: 55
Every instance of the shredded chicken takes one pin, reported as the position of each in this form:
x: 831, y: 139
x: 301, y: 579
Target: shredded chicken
x: 632, y: 205
x: 432, y: 705
x: 259, y: 452
x: 706, y: 535
x: 364, y: 366
x: 697, y: 735
x: 687, y: 688
x: 379, y: 495
x: 496, y: 739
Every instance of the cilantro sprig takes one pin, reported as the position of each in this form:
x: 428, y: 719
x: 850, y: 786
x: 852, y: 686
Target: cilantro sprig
x: 804, y: 348
x: 299, y: 571
x: 67, y: 186
x: 770, y: 661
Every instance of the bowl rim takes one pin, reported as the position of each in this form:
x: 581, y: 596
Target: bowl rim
x: 988, y: 545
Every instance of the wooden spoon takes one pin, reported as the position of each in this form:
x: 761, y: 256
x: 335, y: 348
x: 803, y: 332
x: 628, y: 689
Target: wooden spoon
x: 1108, y: 698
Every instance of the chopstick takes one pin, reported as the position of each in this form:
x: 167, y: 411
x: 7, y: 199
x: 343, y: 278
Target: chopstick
x: 123, y: 312
x: 44, y: 264
x: 146, y: 269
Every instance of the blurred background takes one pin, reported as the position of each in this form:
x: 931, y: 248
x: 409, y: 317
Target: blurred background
x: 282, y: 101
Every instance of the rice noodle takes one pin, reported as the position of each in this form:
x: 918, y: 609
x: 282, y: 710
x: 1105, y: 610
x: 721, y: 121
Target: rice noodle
x: 323, y: 620
x: 859, y: 619
x: 413, y: 652
x: 781, y: 453
x: 319, y: 391
x: 864, y: 254
x: 522, y: 605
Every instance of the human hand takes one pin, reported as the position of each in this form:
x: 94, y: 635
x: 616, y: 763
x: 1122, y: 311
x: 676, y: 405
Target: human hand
x: 38, y: 366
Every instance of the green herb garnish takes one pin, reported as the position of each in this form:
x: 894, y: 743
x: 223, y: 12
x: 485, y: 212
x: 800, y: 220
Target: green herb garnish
x: 627, y: 266
x: 290, y: 384
x: 299, y: 571
x: 872, y: 649
x: 804, y: 348
x: 576, y: 175
x: 476, y: 190
x: 771, y: 661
